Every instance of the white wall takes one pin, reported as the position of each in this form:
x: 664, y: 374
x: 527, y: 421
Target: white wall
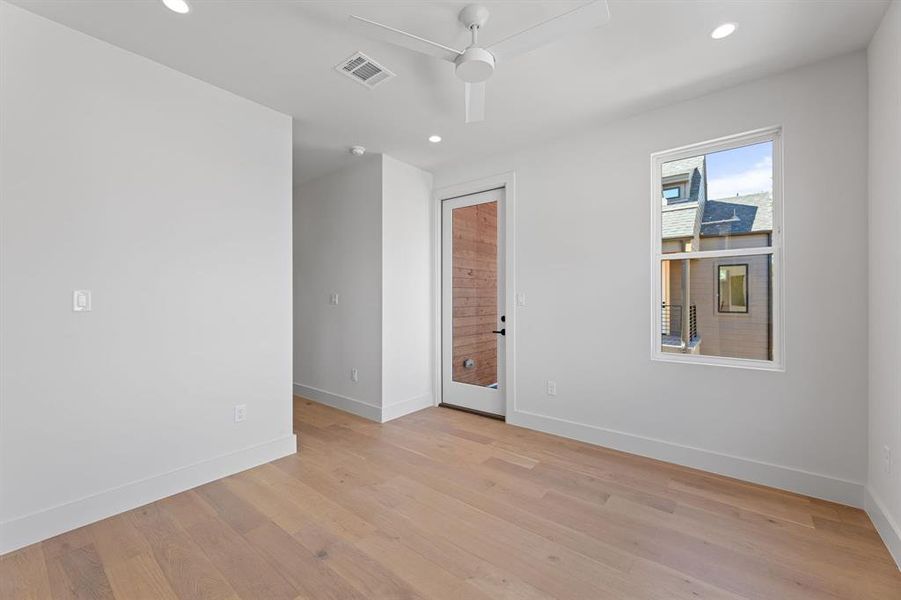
x: 884, y: 488
x: 337, y: 249
x: 171, y: 200
x: 582, y: 227
x: 363, y: 232
x: 406, y: 288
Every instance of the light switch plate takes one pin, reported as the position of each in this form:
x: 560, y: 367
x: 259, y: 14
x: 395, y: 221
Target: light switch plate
x: 81, y: 300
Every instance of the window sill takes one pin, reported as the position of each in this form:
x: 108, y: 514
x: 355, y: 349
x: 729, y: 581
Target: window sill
x: 718, y: 361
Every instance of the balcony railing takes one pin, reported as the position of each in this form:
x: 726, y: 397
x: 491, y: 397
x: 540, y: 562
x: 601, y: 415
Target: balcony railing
x: 671, y: 321
x: 692, y: 322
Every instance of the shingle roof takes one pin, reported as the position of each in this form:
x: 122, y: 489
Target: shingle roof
x: 692, y: 168
x: 678, y: 220
x: 741, y: 214
x: 680, y: 167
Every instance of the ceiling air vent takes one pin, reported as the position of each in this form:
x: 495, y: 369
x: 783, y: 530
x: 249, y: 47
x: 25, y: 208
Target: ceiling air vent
x: 364, y: 70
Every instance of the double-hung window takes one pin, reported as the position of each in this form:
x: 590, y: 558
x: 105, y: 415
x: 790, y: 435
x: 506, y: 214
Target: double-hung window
x: 716, y: 252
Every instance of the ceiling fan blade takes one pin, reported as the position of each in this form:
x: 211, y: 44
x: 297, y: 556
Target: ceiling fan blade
x: 475, y: 102
x: 588, y: 16
x: 404, y: 39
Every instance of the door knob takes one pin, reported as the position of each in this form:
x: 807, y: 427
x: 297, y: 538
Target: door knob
x: 501, y: 331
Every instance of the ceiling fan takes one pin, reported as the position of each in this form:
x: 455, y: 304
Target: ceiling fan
x: 475, y: 64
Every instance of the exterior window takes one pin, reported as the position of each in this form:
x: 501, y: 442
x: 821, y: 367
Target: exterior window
x: 672, y: 193
x: 733, y: 288
x: 716, y: 252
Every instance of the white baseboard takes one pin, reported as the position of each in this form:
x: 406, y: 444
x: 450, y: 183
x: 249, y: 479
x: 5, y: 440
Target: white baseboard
x: 351, y: 405
x: 399, y: 409
x: 44, y: 524
x: 888, y: 529
x: 777, y: 476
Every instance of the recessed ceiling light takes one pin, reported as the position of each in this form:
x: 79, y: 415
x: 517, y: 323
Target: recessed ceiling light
x: 179, y: 6
x: 434, y: 138
x: 724, y: 30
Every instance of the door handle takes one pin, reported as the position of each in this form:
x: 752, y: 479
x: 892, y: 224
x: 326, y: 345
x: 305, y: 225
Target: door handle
x: 501, y: 331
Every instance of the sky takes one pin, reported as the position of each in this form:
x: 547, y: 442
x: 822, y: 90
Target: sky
x: 746, y: 170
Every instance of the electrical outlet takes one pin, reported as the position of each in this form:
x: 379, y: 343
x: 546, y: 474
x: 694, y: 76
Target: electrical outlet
x: 887, y: 459
x: 240, y: 412
x: 520, y: 299
x: 333, y: 298
x: 551, y: 388
x: 354, y: 375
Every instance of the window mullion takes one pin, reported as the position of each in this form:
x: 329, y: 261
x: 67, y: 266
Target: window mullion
x: 717, y: 253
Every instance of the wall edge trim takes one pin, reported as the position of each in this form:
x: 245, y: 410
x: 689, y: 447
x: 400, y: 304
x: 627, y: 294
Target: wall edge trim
x: 43, y: 524
x: 782, y: 477
x: 888, y: 529
x: 405, y: 407
x: 345, y: 403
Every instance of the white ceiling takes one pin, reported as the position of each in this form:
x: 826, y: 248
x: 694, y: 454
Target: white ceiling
x: 282, y: 53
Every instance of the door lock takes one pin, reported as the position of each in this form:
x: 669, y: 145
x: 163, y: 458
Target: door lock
x: 504, y: 330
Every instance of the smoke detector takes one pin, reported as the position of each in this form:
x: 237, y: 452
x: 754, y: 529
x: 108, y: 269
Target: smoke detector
x: 357, y: 150
x: 364, y: 70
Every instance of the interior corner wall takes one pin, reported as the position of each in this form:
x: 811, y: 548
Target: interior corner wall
x: 337, y: 250
x: 883, y: 500
x: 407, y: 351
x: 170, y: 199
x: 364, y: 233
x: 584, y: 266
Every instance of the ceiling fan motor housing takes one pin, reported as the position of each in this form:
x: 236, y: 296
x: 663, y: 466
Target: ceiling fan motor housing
x: 475, y: 65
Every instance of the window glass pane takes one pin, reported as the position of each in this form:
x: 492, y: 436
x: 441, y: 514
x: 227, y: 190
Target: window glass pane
x: 694, y: 294
x: 474, y: 292
x: 727, y: 200
x: 672, y: 193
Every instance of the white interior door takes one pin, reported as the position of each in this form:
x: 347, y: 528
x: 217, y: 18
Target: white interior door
x: 472, y: 302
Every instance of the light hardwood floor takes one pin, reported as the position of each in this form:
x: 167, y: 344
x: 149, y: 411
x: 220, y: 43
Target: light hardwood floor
x: 444, y: 504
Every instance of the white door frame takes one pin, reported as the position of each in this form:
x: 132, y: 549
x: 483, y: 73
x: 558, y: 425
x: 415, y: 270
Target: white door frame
x: 508, y: 182
x: 480, y: 397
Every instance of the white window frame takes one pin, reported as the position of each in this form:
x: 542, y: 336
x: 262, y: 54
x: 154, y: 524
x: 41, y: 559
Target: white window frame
x: 770, y: 134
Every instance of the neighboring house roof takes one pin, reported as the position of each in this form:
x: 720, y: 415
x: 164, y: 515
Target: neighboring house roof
x: 690, y: 169
x: 678, y: 220
x: 741, y: 214
x: 681, y: 167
